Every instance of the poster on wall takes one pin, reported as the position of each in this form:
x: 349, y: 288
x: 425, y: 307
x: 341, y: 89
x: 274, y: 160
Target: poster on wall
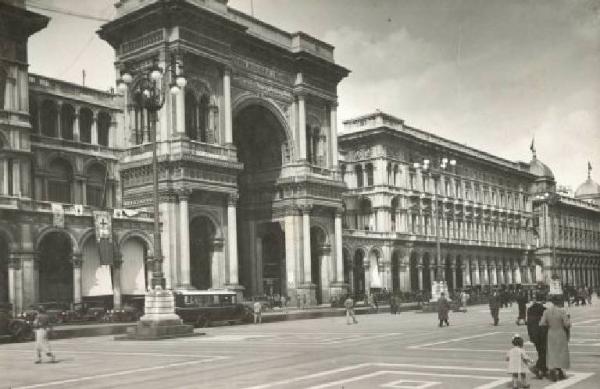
x: 103, y: 224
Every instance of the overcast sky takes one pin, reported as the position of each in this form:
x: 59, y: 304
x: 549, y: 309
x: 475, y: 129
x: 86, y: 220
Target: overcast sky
x: 491, y: 74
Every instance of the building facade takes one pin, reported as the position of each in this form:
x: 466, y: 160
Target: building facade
x: 249, y: 192
x: 420, y: 208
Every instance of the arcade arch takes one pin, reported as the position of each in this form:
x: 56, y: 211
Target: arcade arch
x: 56, y: 267
x: 202, y: 247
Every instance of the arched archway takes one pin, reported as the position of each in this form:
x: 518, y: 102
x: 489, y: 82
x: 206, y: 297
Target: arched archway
x: 318, y: 239
x: 56, y: 267
x: 49, y: 114
x: 86, y: 117
x: 134, y: 273
x: 273, y: 260
x: 359, y: 274
x: 96, y: 279
x: 427, y: 267
x: 202, y: 239
x: 348, y: 270
x: 262, y: 145
x: 104, y: 120
x: 67, y: 119
x: 396, y: 271
x: 414, y: 271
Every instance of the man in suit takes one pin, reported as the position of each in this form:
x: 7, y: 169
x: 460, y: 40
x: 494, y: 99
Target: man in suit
x: 494, y: 304
x: 537, y: 334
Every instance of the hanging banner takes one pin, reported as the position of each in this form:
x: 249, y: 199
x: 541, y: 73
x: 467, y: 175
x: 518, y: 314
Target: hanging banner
x: 58, y: 215
x: 103, y: 223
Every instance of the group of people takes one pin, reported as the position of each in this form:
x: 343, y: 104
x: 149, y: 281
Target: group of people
x: 549, y: 331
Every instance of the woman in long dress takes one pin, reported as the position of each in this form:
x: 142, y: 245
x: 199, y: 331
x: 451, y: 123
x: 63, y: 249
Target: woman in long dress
x: 559, y: 324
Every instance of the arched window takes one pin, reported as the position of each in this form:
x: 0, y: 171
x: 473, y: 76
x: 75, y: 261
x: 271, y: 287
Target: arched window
x: 60, y: 179
x: 366, y: 215
x: 315, y: 144
x: 103, y: 128
x: 95, y: 186
x: 67, y: 118
x: 198, y: 123
x: 369, y: 170
x: 359, y: 176
x: 49, y: 118
x: 85, y: 125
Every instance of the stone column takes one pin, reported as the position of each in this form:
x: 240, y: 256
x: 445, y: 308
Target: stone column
x: 500, y: 270
x: 333, y: 137
x: 486, y: 273
x: 517, y: 279
x: 339, y: 256
x: 493, y: 275
x: 76, y: 261
x: 420, y: 271
x: 453, y: 269
x: 26, y: 285
x: 306, y: 254
x: 227, y: 106
x: 466, y: 271
x: 14, y: 284
x: 232, y: 252
x: 76, y: 130
x: 302, y: 127
x: 59, y: 105
x: 180, y: 112
x: 116, y: 280
x: 184, y: 238
x: 475, y: 264
x: 94, y: 140
x: 16, y: 172
x: 509, y: 275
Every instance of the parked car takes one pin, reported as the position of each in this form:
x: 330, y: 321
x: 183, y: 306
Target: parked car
x: 13, y: 330
x: 57, y: 313
x: 202, y: 307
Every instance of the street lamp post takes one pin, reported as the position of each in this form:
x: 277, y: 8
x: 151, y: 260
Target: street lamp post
x: 444, y: 163
x: 149, y: 92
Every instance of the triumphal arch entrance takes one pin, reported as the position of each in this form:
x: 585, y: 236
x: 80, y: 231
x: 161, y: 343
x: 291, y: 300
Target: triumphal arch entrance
x: 250, y: 192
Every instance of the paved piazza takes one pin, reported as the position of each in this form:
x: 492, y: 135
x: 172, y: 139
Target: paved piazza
x: 382, y: 351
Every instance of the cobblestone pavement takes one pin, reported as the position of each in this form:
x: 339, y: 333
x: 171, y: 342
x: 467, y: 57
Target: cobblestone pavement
x: 381, y: 351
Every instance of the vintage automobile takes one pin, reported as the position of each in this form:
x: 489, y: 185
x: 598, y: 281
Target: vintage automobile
x: 13, y: 330
x: 202, y: 307
x: 57, y: 312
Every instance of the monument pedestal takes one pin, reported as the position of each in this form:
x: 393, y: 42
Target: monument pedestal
x: 159, y: 320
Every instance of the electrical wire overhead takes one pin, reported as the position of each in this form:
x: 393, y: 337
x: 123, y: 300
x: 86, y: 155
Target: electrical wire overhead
x: 63, y: 11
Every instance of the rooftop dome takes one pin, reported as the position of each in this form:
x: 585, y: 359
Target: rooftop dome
x: 538, y: 168
x: 588, y: 188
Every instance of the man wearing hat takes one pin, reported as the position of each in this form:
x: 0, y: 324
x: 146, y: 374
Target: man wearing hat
x: 42, y: 344
x: 538, y: 334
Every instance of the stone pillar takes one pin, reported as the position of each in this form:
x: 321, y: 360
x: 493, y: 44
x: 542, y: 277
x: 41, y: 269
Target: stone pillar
x: 59, y: 105
x: 333, y: 137
x: 420, y: 271
x: 116, y: 280
x: 14, y: 284
x: 292, y: 253
x: 302, y: 127
x: 339, y: 256
x: 493, y: 275
x: 383, y: 219
x: 517, y: 279
x: 500, y: 270
x: 475, y: 264
x: 509, y: 275
x: 16, y: 172
x: 94, y: 140
x: 227, y: 106
x: 26, y: 285
x: 466, y: 272
x: 180, y: 112
x: 486, y: 273
x: 76, y: 130
x: 232, y: 245
x: 76, y: 261
x: 306, y: 254
x: 184, y: 238
x: 453, y: 269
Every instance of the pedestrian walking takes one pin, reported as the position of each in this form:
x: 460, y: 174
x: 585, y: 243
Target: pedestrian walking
x: 443, y: 309
x: 257, y: 312
x: 303, y: 301
x: 463, y: 300
x: 42, y: 342
x: 522, y: 304
x: 538, y: 334
x: 349, y: 305
x: 517, y: 363
x: 494, y: 304
x: 284, y: 303
x: 559, y: 325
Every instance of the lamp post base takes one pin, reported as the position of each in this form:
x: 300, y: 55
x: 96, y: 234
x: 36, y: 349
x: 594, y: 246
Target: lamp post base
x: 160, y: 320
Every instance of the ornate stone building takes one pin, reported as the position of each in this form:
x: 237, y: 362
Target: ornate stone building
x: 250, y: 195
x: 59, y: 149
x: 409, y: 190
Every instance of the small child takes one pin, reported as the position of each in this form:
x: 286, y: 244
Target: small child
x: 517, y: 363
